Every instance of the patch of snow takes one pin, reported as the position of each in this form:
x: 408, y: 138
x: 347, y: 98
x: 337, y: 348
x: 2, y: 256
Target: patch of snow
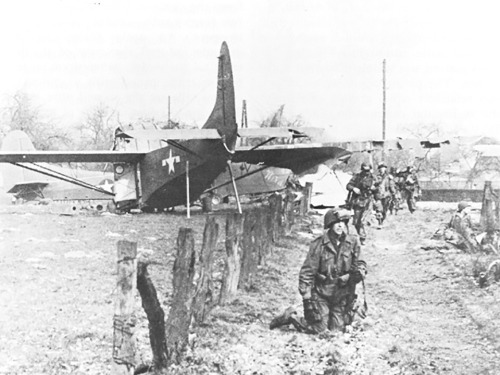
x: 111, y: 234
x: 11, y: 230
x: 76, y: 255
x: 36, y: 240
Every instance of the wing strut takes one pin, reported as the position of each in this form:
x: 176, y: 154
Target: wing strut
x: 234, y: 186
x: 263, y: 143
x: 187, y: 190
x: 236, y: 179
x: 63, y: 177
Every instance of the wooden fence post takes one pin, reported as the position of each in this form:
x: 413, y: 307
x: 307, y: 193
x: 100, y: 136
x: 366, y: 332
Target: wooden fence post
x: 249, y: 250
x: 288, y: 212
x: 489, y: 217
x: 233, y: 255
x: 156, y: 317
x: 204, y: 294
x: 124, y: 319
x: 275, y: 216
x: 264, y: 234
x: 306, y: 198
x: 179, y: 317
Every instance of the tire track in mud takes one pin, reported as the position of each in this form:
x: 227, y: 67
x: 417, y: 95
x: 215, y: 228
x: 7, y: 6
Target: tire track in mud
x: 420, y: 321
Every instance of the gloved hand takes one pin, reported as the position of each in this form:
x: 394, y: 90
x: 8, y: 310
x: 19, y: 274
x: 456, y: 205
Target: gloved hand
x: 342, y: 280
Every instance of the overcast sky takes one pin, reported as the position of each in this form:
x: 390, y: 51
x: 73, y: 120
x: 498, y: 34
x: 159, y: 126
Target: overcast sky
x: 322, y: 59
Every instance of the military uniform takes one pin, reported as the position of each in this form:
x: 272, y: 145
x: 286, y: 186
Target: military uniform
x: 327, y: 279
x: 409, y: 186
x: 395, y: 201
x: 325, y: 276
x: 460, y: 231
x: 385, y: 192
x: 361, y: 203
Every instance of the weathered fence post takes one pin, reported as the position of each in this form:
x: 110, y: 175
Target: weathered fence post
x: 306, y: 199
x: 124, y: 319
x: 249, y: 253
x: 489, y: 217
x: 156, y: 317
x: 179, y: 317
x: 264, y: 234
x: 275, y: 216
x: 204, y: 294
x: 233, y: 257
x: 288, y: 212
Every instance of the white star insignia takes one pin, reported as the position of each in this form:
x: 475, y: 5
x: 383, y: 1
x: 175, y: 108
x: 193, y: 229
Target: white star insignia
x: 107, y: 185
x: 171, y: 160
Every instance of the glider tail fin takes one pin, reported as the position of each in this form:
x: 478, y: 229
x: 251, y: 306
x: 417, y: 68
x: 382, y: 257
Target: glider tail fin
x: 223, y: 116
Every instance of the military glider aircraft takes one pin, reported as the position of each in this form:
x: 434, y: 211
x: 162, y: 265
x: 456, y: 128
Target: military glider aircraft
x: 188, y: 161
x: 36, y: 181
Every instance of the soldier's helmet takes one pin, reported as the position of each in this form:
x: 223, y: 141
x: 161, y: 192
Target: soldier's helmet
x: 463, y: 205
x: 365, y: 166
x: 336, y: 215
x: 409, y: 168
x: 382, y: 165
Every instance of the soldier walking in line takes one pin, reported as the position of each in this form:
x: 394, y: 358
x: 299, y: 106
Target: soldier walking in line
x: 409, y: 187
x: 361, y: 188
x: 395, y: 201
x: 385, y: 190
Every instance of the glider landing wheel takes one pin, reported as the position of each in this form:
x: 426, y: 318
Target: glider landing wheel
x: 207, y: 204
x: 216, y: 199
x: 111, y: 207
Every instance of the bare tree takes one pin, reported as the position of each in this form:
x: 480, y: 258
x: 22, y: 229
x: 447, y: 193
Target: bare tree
x: 274, y: 120
x: 431, y: 163
x: 277, y: 120
x: 482, y: 166
x: 21, y: 114
x: 97, y: 130
x: 152, y: 123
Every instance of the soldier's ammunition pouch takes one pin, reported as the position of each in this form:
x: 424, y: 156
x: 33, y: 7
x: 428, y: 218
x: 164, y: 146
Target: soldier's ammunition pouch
x: 329, y: 286
x: 325, y: 279
x: 312, y: 313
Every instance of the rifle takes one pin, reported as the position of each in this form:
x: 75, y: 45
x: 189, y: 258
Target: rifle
x: 349, y: 199
x: 357, y: 274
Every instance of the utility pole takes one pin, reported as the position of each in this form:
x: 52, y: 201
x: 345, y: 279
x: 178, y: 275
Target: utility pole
x: 383, y: 108
x: 168, y: 111
x: 244, y: 122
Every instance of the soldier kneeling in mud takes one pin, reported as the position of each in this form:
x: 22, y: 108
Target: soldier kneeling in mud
x: 327, y: 279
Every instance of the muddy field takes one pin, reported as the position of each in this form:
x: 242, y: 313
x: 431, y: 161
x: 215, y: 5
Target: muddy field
x: 426, y: 314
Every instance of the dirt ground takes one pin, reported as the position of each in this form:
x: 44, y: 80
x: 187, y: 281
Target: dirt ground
x: 427, y: 314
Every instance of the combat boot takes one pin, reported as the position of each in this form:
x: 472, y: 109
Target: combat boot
x: 283, y: 319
